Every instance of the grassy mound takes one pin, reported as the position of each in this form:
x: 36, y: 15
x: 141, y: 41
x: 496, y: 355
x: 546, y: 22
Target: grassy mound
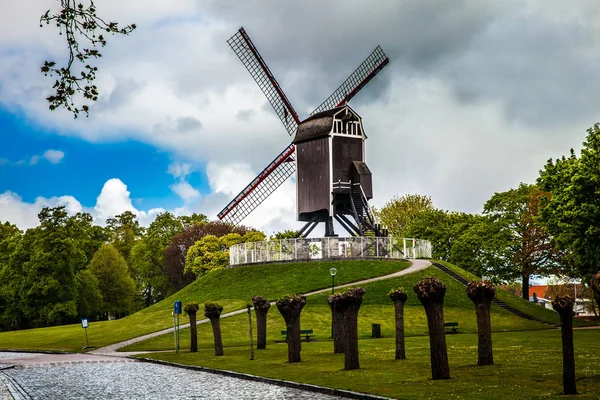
x: 233, y: 288
x: 377, y: 308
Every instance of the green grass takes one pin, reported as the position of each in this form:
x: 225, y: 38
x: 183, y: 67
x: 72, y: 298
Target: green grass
x: 377, y: 308
x: 233, y: 288
x: 527, y: 365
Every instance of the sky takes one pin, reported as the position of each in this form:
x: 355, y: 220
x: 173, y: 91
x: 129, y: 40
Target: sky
x: 478, y: 95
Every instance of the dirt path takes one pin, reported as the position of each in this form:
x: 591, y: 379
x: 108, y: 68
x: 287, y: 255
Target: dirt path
x: 417, y: 265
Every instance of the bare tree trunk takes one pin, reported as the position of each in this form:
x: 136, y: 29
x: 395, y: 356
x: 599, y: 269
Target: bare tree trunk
x: 430, y: 292
x: 213, y: 311
x: 525, y: 286
x: 348, y: 304
x: 194, y: 333
x: 337, y: 326
x: 261, y: 308
x: 290, y: 308
x: 399, y: 297
x: 564, y: 306
x: 482, y: 294
x: 191, y: 309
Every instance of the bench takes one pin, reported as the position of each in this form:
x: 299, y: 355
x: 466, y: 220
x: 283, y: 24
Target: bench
x: 451, y: 327
x: 307, y: 333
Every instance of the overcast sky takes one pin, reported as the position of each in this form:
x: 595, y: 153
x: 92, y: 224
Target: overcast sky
x: 477, y: 96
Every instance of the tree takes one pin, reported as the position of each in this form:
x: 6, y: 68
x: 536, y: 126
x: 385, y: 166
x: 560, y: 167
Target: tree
x: 595, y: 286
x: 48, y: 294
x: 176, y: 253
x: 572, y: 213
x: 286, y: 234
x: 398, y: 213
x: 431, y: 292
x: 348, y: 304
x: 563, y: 305
x: 290, y: 308
x: 147, y: 256
x: 399, y: 297
x: 337, y: 328
x: 261, y: 309
x: 79, y: 24
x: 125, y: 230
x: 89, y: 296
x: 191, y: 309
x: 481, y: 294
x: 209, y: 253
x: 212, y: 311
x: 526, y: 247
x: 116, y: 286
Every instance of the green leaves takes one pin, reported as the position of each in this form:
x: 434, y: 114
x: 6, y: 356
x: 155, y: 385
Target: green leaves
x: 80, y: 25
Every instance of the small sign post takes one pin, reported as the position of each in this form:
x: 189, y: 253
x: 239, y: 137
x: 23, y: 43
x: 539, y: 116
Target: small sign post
x: 176, y: 313
x: 84, y: 325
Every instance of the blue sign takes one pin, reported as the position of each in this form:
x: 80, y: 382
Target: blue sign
x: 84, y: 323
x: 178, y: 307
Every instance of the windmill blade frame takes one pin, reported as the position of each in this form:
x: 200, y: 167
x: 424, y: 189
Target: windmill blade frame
x: 366, y: 71
x: 261, y: 187
x: 243, y: 47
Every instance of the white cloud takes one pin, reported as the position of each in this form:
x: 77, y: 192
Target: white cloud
x: 34, y: 160
x: 24, y: 215
x: 113, y: 200
x: 185, y: 191
x: 180, y: 169
x: 54, y: 156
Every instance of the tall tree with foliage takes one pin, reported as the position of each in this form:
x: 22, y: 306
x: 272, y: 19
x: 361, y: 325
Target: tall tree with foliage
x: 85, y: 33
x: 398, y: 213
x: 572, y: 214
x: 116, y: 286
x: 176, y: 253
x: 124, y: 230
x: 147, y: 259
x: 526, y: 246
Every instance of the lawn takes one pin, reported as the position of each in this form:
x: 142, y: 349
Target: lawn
x: 376, y: 309
x: 233, y: 288
x: 527, y: 365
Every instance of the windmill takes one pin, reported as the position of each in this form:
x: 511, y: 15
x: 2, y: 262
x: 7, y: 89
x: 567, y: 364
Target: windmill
x: 327, y: 152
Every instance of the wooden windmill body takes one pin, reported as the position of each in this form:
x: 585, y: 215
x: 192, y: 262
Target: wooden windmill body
x: 327, y: 153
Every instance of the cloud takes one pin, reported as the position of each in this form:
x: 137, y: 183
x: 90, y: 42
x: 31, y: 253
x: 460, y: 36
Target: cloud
x: 180, y: 169
x: 185, y: 191
x: 24, y: 215
x: 54, y: 156
x: 113, y: 200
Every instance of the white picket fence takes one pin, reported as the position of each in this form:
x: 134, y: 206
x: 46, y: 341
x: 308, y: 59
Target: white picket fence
x: 328, y: 247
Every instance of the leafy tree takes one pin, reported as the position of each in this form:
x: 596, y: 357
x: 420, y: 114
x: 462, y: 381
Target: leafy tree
x: 572, y: 213
x: 525, y: 246
x: 124, y: 230
x: 116, y: 286
x: 48, y: 295
x: 176, y: 253
x: 287, y: 234
x: 80, y: 24
x: 89, y: 296
x: 398, y: 213
x: 147, y: 260
x: 89, y: 236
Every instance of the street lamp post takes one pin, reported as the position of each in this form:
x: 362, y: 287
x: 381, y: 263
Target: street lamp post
x: 332, y: 271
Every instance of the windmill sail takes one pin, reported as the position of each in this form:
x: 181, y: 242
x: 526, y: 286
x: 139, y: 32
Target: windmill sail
x: 254, y: 63
x: 273, y: 176
x: 366, y: 71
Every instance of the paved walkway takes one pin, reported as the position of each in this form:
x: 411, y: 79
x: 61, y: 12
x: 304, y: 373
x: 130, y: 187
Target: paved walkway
x: 111, y: 350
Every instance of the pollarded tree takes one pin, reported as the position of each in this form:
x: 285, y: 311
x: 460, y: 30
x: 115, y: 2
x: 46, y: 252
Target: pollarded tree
x: 431, y: 292
x: 116, y: 286
x: 348, y: 304
x: 564, y: 307
x: 337, y: 328
x: 212, y: 311
x: 481, y: 294
x: 290, y: 308
x: 191, y: 309
x: 399, y: 297
x: 261, y: 308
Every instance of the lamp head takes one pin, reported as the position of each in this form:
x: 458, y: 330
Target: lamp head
x: 333, y: 271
